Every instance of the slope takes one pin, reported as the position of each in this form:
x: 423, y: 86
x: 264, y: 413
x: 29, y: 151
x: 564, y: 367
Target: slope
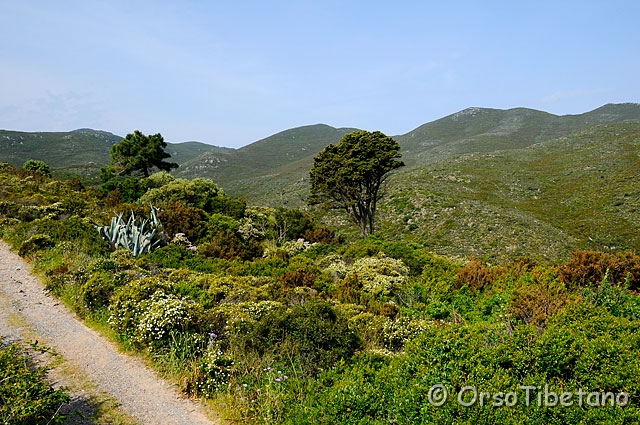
x: 575, y: 192
x: 264, y: 157
x: 274, y: 170
x: 80, y: 152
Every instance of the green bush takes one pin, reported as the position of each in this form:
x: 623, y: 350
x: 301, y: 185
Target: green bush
x: 97, y: 290
x: 312, y: 333
x: 25, y: 396
x: 582, y: 348
x: 38, y: 166
x: 197, y: 193
x: 36, y: 242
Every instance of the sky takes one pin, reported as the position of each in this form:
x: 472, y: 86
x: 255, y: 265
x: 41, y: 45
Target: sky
x: 229, y: 73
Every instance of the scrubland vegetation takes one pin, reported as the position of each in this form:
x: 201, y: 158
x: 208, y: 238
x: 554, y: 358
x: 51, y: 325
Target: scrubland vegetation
x: 273, y: 318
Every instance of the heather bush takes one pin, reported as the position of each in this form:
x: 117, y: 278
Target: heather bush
x: 590, y: 267
x: 536, y: 296
x: 476, y: 275
x: 176, y: 217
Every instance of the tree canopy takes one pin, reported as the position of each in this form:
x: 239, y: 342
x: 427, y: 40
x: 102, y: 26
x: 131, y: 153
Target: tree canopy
x: 37, y: 165
x: 349, y: 175
x: 138, y: 153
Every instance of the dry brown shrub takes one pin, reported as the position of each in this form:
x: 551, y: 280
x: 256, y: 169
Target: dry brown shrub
x: 591, y: 267
x: 537, y: 297
x: 477, y: 275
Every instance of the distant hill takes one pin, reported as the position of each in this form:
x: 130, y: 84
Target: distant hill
x: 274, y: 170
x: 263, y: 156
x: 579, y: 191
x: 80, y: 152
x: 486, y: 130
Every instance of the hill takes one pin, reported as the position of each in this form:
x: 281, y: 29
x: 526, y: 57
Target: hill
x: 274, y: 170
x: 80, y: 152
x: 487, y: 130
x: 574, y: 192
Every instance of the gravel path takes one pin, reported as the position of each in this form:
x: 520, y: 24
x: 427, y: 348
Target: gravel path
x: 140, y: 392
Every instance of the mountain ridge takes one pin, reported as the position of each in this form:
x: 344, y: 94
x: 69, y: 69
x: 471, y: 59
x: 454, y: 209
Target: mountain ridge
x: 260, y: 169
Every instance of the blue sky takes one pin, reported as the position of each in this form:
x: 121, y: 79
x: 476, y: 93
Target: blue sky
x: 232, y: 72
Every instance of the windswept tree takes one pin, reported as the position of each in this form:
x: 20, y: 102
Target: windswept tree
x: 349, y: 175
x: 37, y: 165
x: 140, y: 154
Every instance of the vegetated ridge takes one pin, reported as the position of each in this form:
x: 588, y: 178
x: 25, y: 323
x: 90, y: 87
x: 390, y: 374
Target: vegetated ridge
x: 80, y: 152
x: 485, y: 182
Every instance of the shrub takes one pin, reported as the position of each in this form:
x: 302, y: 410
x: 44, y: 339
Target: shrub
x: 37, y: 166
x: 35, y: 243
x: 164, y: 313
x: 379, y: 276
x: 321, y: 235
x: 170, y: 256
x: 537, y: 296
x: 127, y: 306
x: 212, y: 373
x: 313, y: 333
x: 300, y: 277
x: 590, y: 267
x: 229, y: 246
x: 476, y: 275
x: 196, y: 193
x: 97, y: 290
x: 25, y: 396
x: 176, y: 218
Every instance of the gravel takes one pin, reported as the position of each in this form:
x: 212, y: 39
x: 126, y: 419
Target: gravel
x: 141, y: 394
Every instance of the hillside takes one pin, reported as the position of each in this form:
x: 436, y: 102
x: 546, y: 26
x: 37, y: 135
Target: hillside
x: 80, y: 152
x: 265, y: 158
x: 487, y: 130
x: 274, y: 171
x: 575, y: 192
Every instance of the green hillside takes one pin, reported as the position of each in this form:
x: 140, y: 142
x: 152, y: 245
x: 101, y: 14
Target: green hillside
x: 265, y: 156
x: 575, y: 192
x: 274, y: 170
x: 487, y: 130
x: 80, y: 152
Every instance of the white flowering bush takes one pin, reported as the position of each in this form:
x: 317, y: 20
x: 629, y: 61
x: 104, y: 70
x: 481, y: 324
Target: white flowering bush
x: 257, y: 310
x: 249, y: 229
x: 334, y: 264
x: 180, y: 239
x: 161, y: 314
x: 287, y: 248
x: 396, y: 333
x: 379, y: 275
x: 214, y: 371
x: 130, y: 302
x: 370, y: 328
x: 295, y: 247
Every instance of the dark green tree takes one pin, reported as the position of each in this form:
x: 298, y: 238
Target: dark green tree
x: 37, y: 165
x: 349, y: 175
x: 139, y: 154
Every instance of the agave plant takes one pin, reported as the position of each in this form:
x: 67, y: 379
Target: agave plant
x: 112, y: 233
x: 132, y: 235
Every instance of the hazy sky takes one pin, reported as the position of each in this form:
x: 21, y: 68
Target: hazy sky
x: 233, y: 72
